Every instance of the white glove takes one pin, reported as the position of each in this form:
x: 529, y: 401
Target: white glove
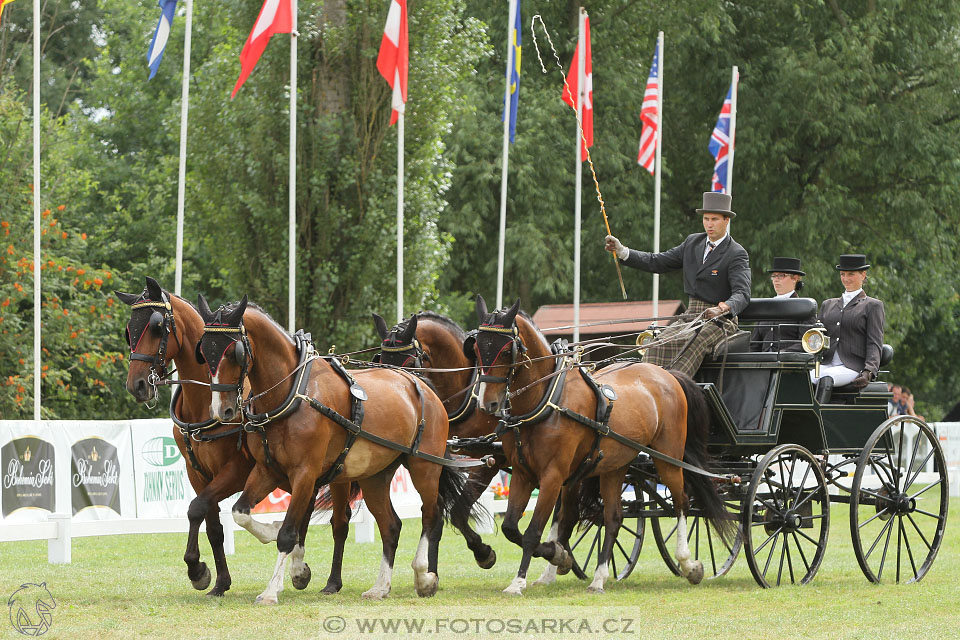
x: 614, y: 245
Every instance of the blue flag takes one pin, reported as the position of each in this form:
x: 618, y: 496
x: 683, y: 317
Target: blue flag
x: 514, y: 73
x: 719, y: 146
x: 161, y: 35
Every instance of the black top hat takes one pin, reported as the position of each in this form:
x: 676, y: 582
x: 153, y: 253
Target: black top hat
x: 853, y: 262
x: 714, y: 202
x: 786, y: 265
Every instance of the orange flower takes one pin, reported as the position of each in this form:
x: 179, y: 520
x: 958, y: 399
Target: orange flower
x: 31, y: 187
x: 109, y: 275
x: 5, y: 303
x: 10, y: 249
x: 45, y: 213
x: 44, y: 367
x: 76, y: 281
x: 5, y: 224
x: 97, y: 281
x: 63, y: 235
x: 43, y: 232
x: 80, y: 272
x: 109, y: 302
x: 83, y: 235
x: 73, y: 335
x: 66, y: 312
x: 43, y: 375
x: 61, y: 207
x: 53, y: 222
x: 60, y: 267
x: 20, y: 388
x: 50, y: 262
x: 93, y: 309
x: 86, y: 283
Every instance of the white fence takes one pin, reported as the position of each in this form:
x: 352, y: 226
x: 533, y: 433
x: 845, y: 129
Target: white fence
x: 67, y: 479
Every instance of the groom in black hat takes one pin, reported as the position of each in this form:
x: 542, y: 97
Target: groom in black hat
x: 716, y: 276
x: 787, y: 279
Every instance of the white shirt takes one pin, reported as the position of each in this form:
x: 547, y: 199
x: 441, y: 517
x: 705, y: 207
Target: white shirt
x: 716, y: 243
x: 783, y: 296
x: 850, y: 295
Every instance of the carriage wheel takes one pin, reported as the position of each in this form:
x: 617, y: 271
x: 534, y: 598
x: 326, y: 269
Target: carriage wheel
x: 786, y: 517
x: 715, y: 552
x: 898, y: 511
x: 585, y: 543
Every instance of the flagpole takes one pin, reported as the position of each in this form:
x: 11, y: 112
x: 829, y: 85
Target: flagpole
x: 36, y: 212
x: 399, y: 215
x: 656, y: 169
x: 511, y: 21
x: 182, y: 175
x: 735, y: 84
x: 581, y: 95
x: 292, y: 230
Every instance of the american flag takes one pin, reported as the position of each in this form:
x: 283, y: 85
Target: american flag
x: 650, y: 117
x: 720, y: 145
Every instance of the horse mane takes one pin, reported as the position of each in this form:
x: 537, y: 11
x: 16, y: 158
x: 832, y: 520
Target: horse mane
x: 455, y: 328
x: 253, y: 305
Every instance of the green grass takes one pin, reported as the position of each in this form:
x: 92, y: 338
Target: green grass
x: 136, y: 586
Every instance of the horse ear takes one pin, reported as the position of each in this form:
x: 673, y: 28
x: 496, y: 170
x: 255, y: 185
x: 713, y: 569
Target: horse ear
x: 154, y: 289
x: 199, y: 354
x: 381, y: 325
x: 481, y: 308
x: 511, y: 313
x: 126, y: 298
x: 204, y: 309
x: 236, y: 316
x: 411, y: 331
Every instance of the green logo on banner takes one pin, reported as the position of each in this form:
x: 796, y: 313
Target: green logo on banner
x: 161, y: 451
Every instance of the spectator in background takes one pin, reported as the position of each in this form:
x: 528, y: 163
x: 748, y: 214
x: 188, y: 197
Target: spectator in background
x: 895, y: 406
x: 907, y: 399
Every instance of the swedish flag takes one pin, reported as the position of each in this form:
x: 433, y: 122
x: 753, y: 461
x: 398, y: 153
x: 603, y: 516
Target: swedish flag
x: 514, y: 72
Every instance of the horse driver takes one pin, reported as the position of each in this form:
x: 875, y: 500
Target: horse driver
x: 716, y: 276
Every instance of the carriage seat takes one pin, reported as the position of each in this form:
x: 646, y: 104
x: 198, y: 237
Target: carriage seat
x: 786, y: 310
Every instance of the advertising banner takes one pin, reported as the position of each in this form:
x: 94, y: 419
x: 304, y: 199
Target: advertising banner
x: 101, y: 468
x: 27, y: 464
x: 161, y: 484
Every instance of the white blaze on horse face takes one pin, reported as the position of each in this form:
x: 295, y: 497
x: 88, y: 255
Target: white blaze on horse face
x: 215, y: 401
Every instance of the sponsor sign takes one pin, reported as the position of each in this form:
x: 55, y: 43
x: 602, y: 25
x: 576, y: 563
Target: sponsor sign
x: 28, y: 475
x: 162, y: 487
x: 94, y: 475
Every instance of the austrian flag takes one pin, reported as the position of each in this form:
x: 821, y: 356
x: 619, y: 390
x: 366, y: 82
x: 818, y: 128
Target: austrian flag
x: 275, y: 17
x: 394, y: 57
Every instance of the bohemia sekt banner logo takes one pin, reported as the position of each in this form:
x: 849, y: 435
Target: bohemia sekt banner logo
x: 94, y: 475
x: 27, y: 465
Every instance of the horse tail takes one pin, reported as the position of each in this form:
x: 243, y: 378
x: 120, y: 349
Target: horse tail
x: 700, y: 487
x: 324, y: 499
x: 453, y: 500
x: 589, y: 503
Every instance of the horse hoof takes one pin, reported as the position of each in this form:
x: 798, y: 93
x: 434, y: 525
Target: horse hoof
x: 374, y: 594
x: 516, y: 587
x: 429, y: 585
x: 489, y: 561
x: 265, y: 599
x: 593, y: 589
x: 565, y: 562
x: 301, y: 581
x: 696, y: 574
x: 511, y: 591
x: 203, y: 581
x: 331, y: 588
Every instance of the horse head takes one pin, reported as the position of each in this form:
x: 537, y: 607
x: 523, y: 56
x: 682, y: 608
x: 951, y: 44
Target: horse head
x: 496, y: 346
x: 226, y: 350
x: 147, y: 334
x: 400, y: 347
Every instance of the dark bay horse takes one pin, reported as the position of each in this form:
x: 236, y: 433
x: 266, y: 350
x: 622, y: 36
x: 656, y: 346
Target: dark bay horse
x: 431, y: 340
x: 164, y: 328
x: 306, y: 444
x: 654, y: 407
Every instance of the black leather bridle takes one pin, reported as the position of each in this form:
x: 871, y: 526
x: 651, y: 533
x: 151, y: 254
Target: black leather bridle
x: 163, y: 322
x: 501, y: 338
x: 242, y: 354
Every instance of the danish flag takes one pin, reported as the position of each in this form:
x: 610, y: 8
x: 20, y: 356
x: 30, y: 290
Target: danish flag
x: 573, y: 82
x: 394, y: 57
x: 275, y: 17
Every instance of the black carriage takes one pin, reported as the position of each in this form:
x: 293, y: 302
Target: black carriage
x: 788, y: 457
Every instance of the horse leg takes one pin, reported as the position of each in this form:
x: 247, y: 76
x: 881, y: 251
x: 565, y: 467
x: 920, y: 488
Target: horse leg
x: 610, y: 490
x: 376, y: 495
x: 550, y: 485
x: 521, y: 486
x: 549, y: 575
x: 477, y: 483
x: 197, y: 571
x: 298, y: 569
x: 672, y: 477
x: 426, y: 479
x: 564, y: 519
x: 340, y: 524
x: 259, y: 483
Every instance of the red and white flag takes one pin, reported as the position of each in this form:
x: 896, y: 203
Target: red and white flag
x: 573, y: 82
x: 394, y: 57
x: 275, y: 17
x: 650, y: 117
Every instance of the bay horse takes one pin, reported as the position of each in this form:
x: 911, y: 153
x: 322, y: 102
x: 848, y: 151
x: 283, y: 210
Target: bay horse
x: 661, y: 409
x: 165, y: 328
x: 435, y: 341
x: 306, y: 441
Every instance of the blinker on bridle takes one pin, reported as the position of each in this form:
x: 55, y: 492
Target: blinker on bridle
x: 517, y: 346
x: 166, y: 324
x: 240, y: 356
x: 414, y: 349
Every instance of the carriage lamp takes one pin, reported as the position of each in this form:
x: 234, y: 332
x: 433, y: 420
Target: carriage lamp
x: 814, y: 341
x: 646, y: 336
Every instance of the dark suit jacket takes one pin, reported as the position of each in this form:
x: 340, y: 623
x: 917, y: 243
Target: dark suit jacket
x: 770, y: 336
x: 856, y: 331
x: 724, y: 277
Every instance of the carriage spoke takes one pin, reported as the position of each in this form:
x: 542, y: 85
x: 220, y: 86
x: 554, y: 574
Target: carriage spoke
x: 920, y: 533
x: 800, y: 488
x: 713, y: 558
x: 806, y: 499
x: 872, y: 518
x: 877, y: 466
x: 629, y: 530
x: 580, y: 539
x: 783, y: 555
x: 800, y: 549
x: 927, y: 513
x: 886, y: 525
x: 875, y: 494
x: 899, y: 544
x: 916, y: 474
x: 906, y: 543
x: 886, y: 546
x: 773, y: 548
x: 771, y: 537
x: 812, y: 541
x: 786, y: 543
x: 913, y: 456
x: 927, y: 488
x: 900, y: 446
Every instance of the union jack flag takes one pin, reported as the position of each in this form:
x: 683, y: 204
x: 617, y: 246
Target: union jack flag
x: 720, y: 145
x: 650, y: 117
